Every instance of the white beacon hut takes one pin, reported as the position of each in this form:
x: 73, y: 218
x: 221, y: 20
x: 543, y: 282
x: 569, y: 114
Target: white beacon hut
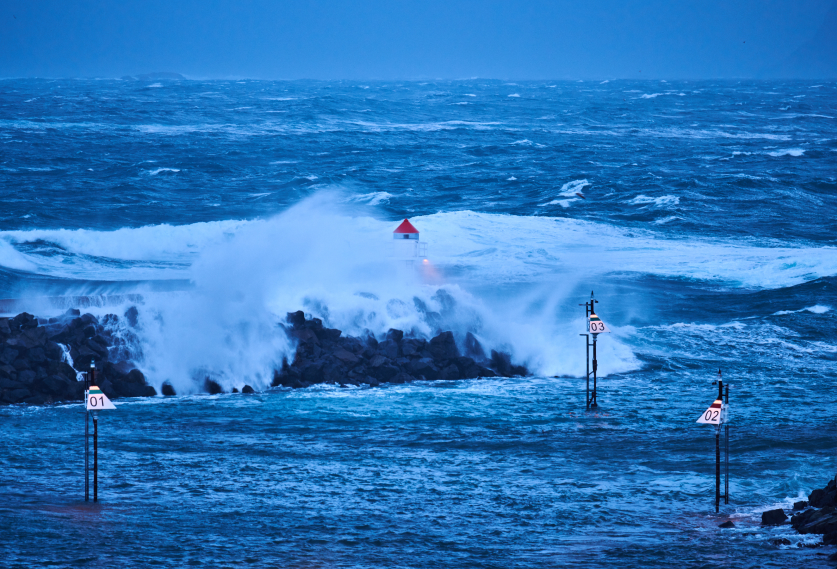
x: 406, y: 243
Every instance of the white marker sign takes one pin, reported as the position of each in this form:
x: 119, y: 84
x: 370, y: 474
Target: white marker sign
x: 98, y: 401
x: 715, y: 415
x: 595, y: 325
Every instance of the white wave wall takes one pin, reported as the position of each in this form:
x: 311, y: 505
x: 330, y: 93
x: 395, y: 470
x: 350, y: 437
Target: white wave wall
x: 510, y: 280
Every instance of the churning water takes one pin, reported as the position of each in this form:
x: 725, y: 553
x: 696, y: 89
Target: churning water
x: 701, y: 213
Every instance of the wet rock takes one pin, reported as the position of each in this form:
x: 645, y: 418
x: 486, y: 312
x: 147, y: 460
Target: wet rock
x: 247, y: 389
x: 773, y: 517
x: 781, y: 541
x: 727, y: 524
x: 443, y: 347
x: 473, y: 348
x: 132, y: 316
x: 212, y: 387
x: 800, y: 505
x: 324, y: 355
x: 168, y: 390
x: 395, y: 335
x: 830, y: 538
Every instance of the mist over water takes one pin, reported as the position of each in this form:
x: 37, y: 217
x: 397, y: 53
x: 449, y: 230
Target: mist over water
x: 699, y: 213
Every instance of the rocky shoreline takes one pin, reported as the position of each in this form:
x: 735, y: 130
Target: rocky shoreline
x: 40, y: 359
x: 819, y: 514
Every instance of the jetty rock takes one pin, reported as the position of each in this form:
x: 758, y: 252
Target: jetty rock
x: 821, y: 515
x: 36, y: 356
x: 325, y: 355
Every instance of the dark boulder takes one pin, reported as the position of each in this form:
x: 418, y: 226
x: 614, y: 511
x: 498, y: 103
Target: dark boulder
x: 212, y: 387
x: 473, y: 348
x: 727, y: 524
x: 132, y: 316
x: 247, y: 389
x: 395, y: 335
x: 167, y: 389
x: 773, y: 517
x: 443, y: 347
x: 801, y: 505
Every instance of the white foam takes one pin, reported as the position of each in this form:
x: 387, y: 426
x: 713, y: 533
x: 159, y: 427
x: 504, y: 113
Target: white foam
x: 788, y: 152
x: 246, y: 274
x: 158, y: 170
x: 816, y: 309
x: 514, y: 95
x: 569, y: 190
x: 374, y: 198
x: 659, y: 202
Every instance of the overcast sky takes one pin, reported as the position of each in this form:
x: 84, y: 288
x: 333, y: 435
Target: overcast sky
x: 419, y: 39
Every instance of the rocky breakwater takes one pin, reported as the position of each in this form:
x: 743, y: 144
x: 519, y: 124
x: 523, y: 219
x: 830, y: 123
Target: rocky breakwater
x: 39, y: 359
x: 324, y: 355
x: 819, y: 514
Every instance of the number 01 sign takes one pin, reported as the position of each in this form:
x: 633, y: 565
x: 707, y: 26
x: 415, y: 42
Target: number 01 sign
x: 98, y: 401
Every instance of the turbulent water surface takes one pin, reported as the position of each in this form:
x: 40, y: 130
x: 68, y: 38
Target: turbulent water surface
x: 700, y: 213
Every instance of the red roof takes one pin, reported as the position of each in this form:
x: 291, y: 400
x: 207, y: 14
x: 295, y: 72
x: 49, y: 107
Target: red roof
x: 406, y: 227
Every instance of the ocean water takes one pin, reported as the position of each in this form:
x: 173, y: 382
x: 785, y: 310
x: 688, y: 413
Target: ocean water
x: 700, y: 213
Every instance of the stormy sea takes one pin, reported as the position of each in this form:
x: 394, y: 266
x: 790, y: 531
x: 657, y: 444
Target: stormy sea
x: 700, y: 214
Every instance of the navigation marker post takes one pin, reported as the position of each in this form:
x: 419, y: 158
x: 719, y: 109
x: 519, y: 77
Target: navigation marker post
x: 89, y: 377
x: 95, y: 401
x: 717, y: 415
x: 595, y: 326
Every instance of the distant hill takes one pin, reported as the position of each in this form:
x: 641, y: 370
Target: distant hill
x: 816, y: 58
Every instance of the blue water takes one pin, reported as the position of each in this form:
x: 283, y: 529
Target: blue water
x: 705, y: 227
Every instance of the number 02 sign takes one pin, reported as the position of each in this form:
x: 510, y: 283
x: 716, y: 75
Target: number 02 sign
x: 715, y: 415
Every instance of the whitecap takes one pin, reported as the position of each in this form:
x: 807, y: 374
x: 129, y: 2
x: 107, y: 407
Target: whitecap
x: 156, y: 85
x: 514, y: 95
x: 159, y: 170
x: 788, y: 152
x: 664, y: 220
x: 661, y: 201
x: 373, y: 198
x: 511, y: 179
x: 816, y: 309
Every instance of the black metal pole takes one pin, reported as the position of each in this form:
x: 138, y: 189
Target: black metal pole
x: 726, y: 453
x: 587, y: 340
x: 95, y: 459
x: 717, y: 468
x: 594, y: 404
x: 86, y: 441
x: 86, y: 456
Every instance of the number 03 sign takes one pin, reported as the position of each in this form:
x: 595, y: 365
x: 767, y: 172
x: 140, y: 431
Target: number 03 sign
x: 98, y: 401
x: 595, y: 325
